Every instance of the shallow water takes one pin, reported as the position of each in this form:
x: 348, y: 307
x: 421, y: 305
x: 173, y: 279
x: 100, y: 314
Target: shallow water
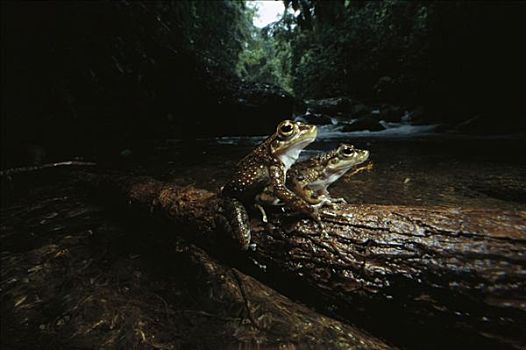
x: 96, y: 266
x: 424, y: 170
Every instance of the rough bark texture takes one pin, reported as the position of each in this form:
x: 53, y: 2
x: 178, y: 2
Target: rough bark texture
x: 77, y: 275
x: 275, y: 320
x: 443, y: 276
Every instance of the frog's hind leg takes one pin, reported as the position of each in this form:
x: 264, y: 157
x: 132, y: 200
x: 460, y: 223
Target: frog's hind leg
x: 238, y: 220
x: 317, y: 218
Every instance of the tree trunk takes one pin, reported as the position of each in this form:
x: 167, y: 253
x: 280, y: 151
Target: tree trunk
x: 416, y: 276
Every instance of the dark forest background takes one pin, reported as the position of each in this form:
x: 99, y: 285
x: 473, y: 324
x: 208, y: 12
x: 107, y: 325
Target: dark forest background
x: 90, y: 78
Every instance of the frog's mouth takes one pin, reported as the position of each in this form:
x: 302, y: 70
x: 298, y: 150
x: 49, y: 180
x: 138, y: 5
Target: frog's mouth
x: 362, y: 156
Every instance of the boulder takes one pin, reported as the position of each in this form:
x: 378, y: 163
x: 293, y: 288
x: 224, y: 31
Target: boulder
x: 265, y: 106
x: 417, y: 117
x: 360, y: 109
x: 330, y: 106
x: 480, y: 125
x: 315, y: 118
x: 364, y: 123
x: 391, y: 113
x: 245, y: 108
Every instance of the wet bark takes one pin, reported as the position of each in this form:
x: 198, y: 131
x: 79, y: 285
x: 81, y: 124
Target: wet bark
x: 443, y: 276
x: 270, y: 319
x: 75, y: 277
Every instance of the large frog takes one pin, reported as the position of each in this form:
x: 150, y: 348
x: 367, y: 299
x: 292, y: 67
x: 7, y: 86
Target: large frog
x: 310, y: 179
x: 266, y: 167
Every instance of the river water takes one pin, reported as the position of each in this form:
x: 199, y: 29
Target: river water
x: 412, y: 165
x: 91, y: 262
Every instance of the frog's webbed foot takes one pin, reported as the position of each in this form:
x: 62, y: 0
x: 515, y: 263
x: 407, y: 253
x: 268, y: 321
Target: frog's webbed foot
x: 334, y: 203
x: 263, y: 213
x: 340, y: 200
x: 237, y: 218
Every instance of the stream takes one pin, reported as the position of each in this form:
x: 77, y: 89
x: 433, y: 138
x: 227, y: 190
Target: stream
x: 412, y: 166
x: 118, y: 277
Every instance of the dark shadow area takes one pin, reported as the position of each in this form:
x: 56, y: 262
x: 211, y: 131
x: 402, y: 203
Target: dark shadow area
x: 181, y: 91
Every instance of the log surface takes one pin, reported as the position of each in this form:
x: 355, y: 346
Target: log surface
x: 408, y: 274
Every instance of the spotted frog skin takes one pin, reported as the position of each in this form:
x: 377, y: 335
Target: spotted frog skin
x: 310, y: 179
x: 266, y: 167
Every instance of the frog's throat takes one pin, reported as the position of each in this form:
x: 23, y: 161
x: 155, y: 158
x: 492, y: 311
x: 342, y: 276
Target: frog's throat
x: 290, y: 157
x: 326, y: 181
x: 328, y: 178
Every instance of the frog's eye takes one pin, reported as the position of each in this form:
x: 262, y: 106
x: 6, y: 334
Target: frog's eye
x: 347, y: 151
x: 286, y: 128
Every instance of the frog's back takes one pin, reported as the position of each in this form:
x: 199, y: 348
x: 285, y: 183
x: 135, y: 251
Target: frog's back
x: 250, y: 175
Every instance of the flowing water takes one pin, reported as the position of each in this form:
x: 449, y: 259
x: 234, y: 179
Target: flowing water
x: 412, y: 165
x: 70, y: 263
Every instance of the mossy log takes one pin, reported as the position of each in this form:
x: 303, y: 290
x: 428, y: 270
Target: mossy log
x: 439, y: 275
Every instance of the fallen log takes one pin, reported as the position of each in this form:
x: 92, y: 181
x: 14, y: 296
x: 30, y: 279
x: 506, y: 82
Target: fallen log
x: 416, y: 276
x: 69, y: 281
x: 271, y: 320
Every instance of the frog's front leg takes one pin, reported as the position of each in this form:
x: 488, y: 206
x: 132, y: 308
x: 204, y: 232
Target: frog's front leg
x: 277, y: 177
x: 289, y: 198
x: 337, y: 200
x: 237, y: 218
x: 325, y: 199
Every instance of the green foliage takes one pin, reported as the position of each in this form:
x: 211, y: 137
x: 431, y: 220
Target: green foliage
x: 332, y: 48
x: 113, y: 70
x: 216, y: 30
x: 346, y: 47
x: 265, y: 58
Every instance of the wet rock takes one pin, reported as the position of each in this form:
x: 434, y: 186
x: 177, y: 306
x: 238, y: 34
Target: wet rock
x: 331, y: 106
x: 364, y: 123
x: 478, y: 125
x: 256, y: 109
x: 315, y: 118
x: 416, y: 116
x: 360, y: 109
x: 391, y: 113
x: 467, y: 126
x: 241, y: 108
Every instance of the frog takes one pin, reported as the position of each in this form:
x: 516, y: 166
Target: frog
x: 310, y: 178
x: 266, y: 166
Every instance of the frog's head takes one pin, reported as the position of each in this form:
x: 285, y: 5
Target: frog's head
x: 342, y: 159
x: 289, y: 139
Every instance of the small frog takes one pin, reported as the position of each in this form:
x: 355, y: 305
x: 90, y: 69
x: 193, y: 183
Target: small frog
x: 309, y: 179
x: 266, y: 167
